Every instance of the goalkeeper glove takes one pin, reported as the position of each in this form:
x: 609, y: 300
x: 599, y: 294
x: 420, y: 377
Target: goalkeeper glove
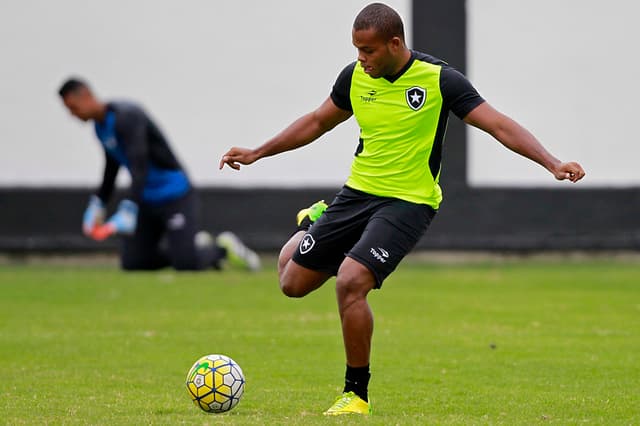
x: 93, y: 215
x: 123, y: 222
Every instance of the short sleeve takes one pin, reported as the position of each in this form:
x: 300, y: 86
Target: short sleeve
x: 342, y: 88
x: 460, y: 97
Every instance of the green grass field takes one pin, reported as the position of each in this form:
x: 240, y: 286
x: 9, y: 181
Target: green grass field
x: 496, y: 343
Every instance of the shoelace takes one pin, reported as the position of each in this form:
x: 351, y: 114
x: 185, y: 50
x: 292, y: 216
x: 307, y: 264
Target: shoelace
x: 343, y: 400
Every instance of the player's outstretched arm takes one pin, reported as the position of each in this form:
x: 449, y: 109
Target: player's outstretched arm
x: 520, y: 140
x: 301, y: 132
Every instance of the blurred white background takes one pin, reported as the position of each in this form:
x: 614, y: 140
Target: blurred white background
x: 212, y: 74
x: 217, y: 74
x: 566, y: 70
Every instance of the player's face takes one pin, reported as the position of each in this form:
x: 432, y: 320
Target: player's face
x: 80, y: 104
x: 375, y: 54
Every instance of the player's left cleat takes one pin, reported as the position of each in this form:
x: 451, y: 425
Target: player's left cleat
x: 349, y: 403
x: 312, y: 213
x: 238, y: 254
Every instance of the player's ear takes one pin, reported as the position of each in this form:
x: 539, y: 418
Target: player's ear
x: 396, y: 43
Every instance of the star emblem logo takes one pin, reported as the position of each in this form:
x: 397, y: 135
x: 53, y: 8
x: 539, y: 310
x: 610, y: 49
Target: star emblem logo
x: 416, y: 96
x: 307, y: 244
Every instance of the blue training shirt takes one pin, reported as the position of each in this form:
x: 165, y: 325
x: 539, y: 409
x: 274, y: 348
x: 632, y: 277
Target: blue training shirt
x: 131, y: 139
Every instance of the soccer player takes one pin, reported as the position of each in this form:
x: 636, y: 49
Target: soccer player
x: 161, y: 202
x: 401, y: 100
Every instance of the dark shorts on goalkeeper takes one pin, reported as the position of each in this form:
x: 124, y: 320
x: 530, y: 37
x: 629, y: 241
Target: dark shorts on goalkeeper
x: 377, y: 232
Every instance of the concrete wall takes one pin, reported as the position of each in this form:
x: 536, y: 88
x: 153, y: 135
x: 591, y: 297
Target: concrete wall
x: 566, y: 70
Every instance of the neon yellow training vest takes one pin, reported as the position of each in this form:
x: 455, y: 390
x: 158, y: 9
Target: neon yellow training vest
x: 400, y: 123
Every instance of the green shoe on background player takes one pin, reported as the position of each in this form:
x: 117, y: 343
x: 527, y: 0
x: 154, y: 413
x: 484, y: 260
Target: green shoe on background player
x: 312, y: 213
x: 349, y: 403
x: 238, y: 254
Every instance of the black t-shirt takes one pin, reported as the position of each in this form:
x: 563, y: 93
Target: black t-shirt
x: 459, y: 95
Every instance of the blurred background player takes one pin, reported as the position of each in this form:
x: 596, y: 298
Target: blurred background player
x: 158, y: 219
x: 401, y: 100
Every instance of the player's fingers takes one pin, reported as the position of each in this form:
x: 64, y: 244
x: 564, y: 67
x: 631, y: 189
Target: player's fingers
x: 576, y: 173
x: 223, y: 161
x: 570, y: 175
x: 229, y: 161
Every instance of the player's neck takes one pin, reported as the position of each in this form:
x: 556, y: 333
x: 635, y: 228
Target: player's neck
x: 101, y: 112
x: 404, y: 59
x: 401, y: 64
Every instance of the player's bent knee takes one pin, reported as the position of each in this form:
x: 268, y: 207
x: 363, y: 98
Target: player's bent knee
x: 297, y: 281
x: 291, y: 290
x: 292, y: 286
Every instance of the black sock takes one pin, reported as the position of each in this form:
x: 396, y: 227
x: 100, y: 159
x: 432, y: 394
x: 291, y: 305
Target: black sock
x: 356, y: 380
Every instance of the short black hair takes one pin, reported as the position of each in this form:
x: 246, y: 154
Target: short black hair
x: 72, y: 85
x: 385, y: 20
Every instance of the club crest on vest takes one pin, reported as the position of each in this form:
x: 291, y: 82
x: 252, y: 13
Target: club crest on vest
x: 415, y: 97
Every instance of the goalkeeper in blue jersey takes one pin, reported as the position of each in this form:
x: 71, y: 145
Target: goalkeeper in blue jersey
x: 161, y: 203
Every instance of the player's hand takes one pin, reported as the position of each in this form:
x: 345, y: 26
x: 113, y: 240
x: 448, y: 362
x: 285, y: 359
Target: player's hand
x: 93, y: 215
x: 237, y: 156
x: 123, y: 222
x: 569, y: 171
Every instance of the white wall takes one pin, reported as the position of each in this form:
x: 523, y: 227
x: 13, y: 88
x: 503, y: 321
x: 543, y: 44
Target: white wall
x: 568, y: 71
x: 212, y: 73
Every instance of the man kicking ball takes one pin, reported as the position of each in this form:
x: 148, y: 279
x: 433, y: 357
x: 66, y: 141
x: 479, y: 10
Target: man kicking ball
x: 401, y: 100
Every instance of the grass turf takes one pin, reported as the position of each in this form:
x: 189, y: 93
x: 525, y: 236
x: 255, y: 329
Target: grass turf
x: 514, y: 343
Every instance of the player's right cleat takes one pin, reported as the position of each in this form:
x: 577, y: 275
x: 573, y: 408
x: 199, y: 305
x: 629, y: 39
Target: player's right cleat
x: 313, y: 212
x: 349, y: 403
x: 238, y: 254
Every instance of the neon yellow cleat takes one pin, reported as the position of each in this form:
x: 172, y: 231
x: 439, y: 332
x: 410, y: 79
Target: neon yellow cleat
x: 238, y: 254
x: 349, y: 403
x: 314, y: 212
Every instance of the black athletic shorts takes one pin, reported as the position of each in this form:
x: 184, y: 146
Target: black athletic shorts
x: 378, y: 232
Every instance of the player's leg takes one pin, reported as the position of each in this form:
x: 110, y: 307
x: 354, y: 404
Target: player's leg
x: 296, y: 280
x: 141, y: 251
x: 237, y: 253
x: 353, y: 283
x: 392, y: 231
x: 304, y: 219
x: 314, y: 253
x: 187, y: 248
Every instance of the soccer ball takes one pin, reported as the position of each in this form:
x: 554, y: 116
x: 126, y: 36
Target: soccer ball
x: 215, y: 383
